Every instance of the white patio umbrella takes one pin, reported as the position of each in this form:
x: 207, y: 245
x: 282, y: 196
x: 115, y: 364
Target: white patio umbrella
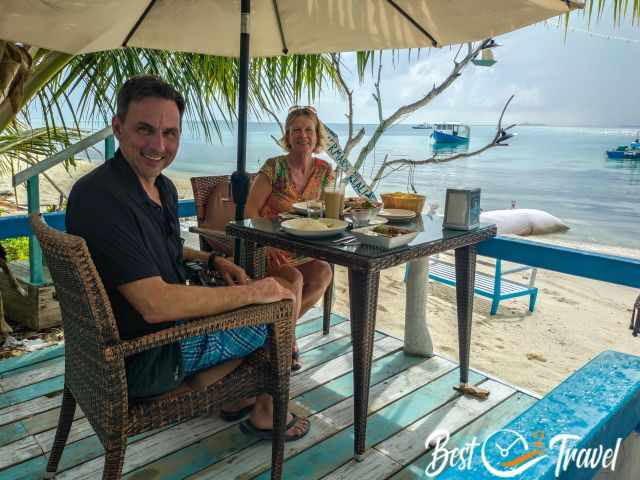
x: 222, y: 27
x: 277, y: 26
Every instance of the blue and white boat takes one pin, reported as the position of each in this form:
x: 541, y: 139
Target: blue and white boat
x: 626, y: 152
x: 450, y: 132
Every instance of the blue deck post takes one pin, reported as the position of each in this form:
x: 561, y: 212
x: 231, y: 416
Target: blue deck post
x: 109, y: 147
x: 35, y: 253
x: 497, y: 287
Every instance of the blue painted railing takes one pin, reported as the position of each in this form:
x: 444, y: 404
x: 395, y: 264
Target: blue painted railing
x: 30, y: 176
x: 607, y: 268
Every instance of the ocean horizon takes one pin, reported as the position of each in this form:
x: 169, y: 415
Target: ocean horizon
x: 561, y: 170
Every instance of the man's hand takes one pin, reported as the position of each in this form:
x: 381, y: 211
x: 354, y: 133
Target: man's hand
x: 269, y: 290
x: 232, y: 273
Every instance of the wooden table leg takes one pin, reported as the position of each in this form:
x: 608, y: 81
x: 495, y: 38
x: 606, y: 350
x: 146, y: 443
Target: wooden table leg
x: 363, y: 296
x: 465, y: 284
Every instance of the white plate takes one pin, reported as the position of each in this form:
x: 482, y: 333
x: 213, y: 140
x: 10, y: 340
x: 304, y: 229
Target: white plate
x: 396, y: 214
x: 295, y: 226
x: 301, y: 207
x: 367, y: 236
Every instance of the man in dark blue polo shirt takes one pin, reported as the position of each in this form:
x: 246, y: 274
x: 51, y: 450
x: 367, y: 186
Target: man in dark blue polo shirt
x: 127, y: 212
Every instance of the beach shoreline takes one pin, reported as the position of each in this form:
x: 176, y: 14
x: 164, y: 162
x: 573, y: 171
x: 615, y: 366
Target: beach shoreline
x: 575, y: 318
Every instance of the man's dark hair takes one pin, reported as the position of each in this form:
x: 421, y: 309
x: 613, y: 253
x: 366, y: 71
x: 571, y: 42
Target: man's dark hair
x: 146, y: 86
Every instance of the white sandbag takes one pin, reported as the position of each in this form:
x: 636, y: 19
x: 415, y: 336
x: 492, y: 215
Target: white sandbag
x: 524, y: 221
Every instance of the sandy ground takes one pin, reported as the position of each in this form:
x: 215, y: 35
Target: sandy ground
x: 575, y: 318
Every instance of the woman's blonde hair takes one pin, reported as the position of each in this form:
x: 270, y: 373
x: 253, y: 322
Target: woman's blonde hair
x: 309, y: 112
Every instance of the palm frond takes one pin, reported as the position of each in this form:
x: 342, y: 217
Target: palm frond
x: 20, y: 143
x: 209, y: 84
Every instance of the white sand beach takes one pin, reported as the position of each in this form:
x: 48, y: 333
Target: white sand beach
x: 575, y: 318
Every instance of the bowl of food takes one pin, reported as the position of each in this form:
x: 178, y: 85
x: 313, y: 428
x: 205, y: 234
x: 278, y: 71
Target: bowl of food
x: 361, y: 210
x: 385, y: 236
x: 404, y: 201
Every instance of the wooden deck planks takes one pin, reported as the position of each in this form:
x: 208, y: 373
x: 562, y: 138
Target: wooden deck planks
x: 20, y: 443
x: 32, y: 358
x: 409, y: 397
x: 491, y: 421
x: 401, y: 448
x: 257, y: 459
x: 32, y: 374
x: 200, y: 455
x: 177, y: 438
x: 410, y: 442
x: 37, y: 423
x: 30, y: 392
x: 393, y: 416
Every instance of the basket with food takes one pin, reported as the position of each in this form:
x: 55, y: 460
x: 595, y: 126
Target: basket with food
x: 404, y: 201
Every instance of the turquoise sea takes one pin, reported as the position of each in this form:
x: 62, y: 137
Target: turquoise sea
x: 562, y: 170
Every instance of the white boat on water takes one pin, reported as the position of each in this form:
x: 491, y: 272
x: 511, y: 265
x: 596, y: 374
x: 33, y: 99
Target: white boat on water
x: 423, y: 126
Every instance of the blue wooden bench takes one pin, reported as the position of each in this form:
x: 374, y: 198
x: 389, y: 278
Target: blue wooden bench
x: 599, y: 405
x: 495, y: 287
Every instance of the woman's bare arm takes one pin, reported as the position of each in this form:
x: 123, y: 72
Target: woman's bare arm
x: 258, y: 196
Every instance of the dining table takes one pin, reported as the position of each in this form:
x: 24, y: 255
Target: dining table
x: 364, y: 263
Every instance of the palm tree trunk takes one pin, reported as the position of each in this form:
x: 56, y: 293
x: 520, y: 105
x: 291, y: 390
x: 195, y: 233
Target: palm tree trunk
x: 46, y: 67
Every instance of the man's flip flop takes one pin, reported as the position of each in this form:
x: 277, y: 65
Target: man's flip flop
x: 267, y: 433
x: 236, y: 414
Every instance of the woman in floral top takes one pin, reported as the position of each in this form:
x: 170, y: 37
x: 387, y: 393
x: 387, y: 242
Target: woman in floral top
x: 285, y: 180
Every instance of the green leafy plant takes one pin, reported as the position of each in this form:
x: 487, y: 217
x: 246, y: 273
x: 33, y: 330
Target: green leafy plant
x: 16, y: 248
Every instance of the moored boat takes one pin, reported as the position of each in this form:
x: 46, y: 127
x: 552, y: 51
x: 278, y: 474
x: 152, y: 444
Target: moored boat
x: 624, y: 152
x: 631, y: 151
x: 450, y: 132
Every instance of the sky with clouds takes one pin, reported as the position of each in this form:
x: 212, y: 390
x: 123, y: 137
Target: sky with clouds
x: 584, y: 78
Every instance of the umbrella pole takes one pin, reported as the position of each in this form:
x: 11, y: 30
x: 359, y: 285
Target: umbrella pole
x: 240, y: 179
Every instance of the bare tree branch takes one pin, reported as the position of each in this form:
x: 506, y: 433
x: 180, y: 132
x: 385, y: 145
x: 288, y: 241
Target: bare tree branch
x: 405, y: 110
x: 377, y: 96
x: 352, y: 140
x: 498, y: 140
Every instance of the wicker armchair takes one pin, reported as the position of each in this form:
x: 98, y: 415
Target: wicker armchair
x: 216, y: 240
x: 95, y: 375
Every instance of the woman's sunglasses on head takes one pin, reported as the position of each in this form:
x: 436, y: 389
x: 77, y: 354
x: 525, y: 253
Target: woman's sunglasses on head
x: 303, y: 108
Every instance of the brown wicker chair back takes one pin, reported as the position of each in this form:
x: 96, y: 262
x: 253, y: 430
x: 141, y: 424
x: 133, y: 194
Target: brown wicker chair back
x: 220, y: 187
x: 89, y: 327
